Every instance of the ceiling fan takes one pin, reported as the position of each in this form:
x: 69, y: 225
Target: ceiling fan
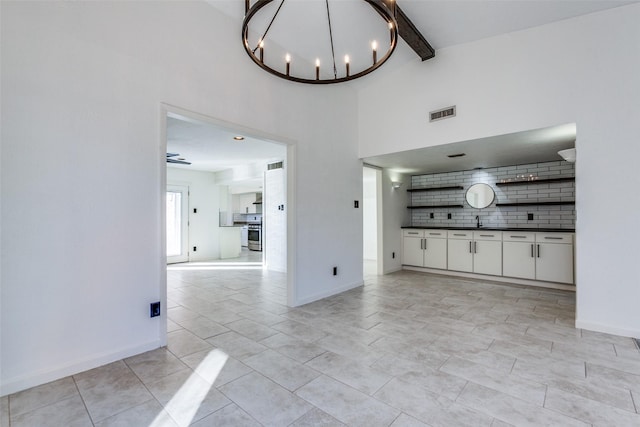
x: 179, y: 161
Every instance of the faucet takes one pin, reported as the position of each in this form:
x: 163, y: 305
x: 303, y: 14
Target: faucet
x: 478, y: 223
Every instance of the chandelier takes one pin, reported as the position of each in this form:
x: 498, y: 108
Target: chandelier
x: 337, y: 64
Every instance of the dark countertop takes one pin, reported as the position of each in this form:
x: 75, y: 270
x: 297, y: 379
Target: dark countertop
x: 540, y: 230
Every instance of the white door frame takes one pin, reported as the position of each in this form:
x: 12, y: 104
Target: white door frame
x: 184, y: 226
x: 290, y: 180
x: 379, y: 220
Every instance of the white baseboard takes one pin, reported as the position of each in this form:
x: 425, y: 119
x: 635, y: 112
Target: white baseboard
x: 501, y: 279
x: 331, y: 292
x: 23, y: 382
x: 392, y: 270
x: 607, y: 329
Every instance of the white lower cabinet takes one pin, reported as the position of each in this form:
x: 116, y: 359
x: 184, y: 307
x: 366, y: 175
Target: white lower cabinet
x: 475, y: 252
x: 460, y: 252
x: 425, y: 248
x: 554, y: 257
x: 487, y: 252
x: 547, y: 257
x: 539, y: 256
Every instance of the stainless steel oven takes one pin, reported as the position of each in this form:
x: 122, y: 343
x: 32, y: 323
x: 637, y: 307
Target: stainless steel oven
x: 255, y: 236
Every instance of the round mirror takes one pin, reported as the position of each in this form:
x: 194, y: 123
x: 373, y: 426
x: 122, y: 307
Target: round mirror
x: 480, y: 196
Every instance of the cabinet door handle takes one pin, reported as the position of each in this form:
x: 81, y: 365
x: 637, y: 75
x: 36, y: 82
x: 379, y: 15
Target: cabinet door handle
x: 459, y: 234
x: 518, y: 237
x: 475, y: 247
x: 552, y: 238
x: 412, y: 232
x: 435, y: 234
x: 487, y: 235
x: 538, y: 251
x: 425, y: 244
x: 470, y: 249
x: 532, y: 255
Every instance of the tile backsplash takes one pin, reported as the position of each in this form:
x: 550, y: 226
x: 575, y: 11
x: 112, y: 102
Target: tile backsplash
x: 562, y: 216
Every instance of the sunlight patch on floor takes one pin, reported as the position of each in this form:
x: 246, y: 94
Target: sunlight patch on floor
x: 186, y: 402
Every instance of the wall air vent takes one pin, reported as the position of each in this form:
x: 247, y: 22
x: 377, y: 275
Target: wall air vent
x: 279, y: 165
x: 443, y: 113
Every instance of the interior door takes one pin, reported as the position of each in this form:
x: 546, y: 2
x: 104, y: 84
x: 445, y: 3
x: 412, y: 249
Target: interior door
x: 177, y: 224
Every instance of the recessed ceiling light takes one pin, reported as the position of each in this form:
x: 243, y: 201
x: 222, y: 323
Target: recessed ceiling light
x: 451, y: 156
x: 239, y: 138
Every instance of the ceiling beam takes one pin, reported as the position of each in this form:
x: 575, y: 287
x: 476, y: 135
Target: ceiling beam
x: 409, y: 32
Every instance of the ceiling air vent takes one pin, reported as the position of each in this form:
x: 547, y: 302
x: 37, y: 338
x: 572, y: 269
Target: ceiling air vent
x: 279, y: 165
x: 443, y: 113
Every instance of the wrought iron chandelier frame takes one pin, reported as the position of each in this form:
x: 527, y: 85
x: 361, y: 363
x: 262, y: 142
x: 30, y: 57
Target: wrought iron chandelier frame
x: 386, y: 9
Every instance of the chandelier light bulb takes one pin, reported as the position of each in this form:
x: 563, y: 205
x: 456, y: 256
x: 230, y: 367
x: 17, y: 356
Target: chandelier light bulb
x: 287, y: 58
x: 346, y: 62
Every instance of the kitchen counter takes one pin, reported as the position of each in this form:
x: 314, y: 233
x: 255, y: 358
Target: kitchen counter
x: 541, y: 230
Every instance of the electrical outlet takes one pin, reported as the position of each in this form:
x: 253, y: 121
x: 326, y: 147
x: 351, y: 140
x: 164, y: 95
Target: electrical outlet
x: 431, y: 215
x: 195, y: 210
x: 393, y: 255
x: 356, y: 204
x: 154, y: 309
x: 195, y: 248
x: 335, y: 271
x: 529, y: 217
x: 448, y: 216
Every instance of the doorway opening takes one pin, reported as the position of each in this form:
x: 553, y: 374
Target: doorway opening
x: 231, y: 172
x: 177, y: 224
x: 372, y: 221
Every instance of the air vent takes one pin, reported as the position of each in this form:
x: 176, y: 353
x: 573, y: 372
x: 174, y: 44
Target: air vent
x: 443, y: 113
x: 279, y: 165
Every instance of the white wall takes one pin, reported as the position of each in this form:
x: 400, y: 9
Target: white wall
x: 394, y: 215
x: 583, y: 70
x: 274, y: 231
x: 369, y: 215
x: 82, y: 163
x: 203, y: 225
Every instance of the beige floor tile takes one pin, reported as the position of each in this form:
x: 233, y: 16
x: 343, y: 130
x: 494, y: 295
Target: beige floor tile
x: 355, y: 374
x: 262, y: 316
x: 601, y: 375
x: 405, y: 420
x: 40, y: 396
x: 420, y: 374
x: 216, y: 367
x: 512, y: 410
x: 69, y: 412
x: 250, y: 329
x: 203, y: 327
x: 266, y: 401
x: 588, y: 410
x: 429, y: 407
x: 281, y: 369
x: 102, y: 374
x: 187, y: 397
x: 316, y: 417
x: 299, y: 330
x: 112, y: 396
x: 150, y: 413
x: 155, y: 364
x: 236, y: 345
x: 229, y: 416
x: 296, y: 349
x: 183, y: 342
x: 346, y: 404
x: 521, y: 388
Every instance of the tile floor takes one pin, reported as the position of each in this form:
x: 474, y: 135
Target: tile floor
x: 407, y: 349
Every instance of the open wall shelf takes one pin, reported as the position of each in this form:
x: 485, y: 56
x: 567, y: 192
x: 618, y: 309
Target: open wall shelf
x: 537, y: 181
x: 416, y: 190
x: 435, y: 207
x: 536, y: 204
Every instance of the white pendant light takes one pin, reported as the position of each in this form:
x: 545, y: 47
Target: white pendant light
x: 569, y: 155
